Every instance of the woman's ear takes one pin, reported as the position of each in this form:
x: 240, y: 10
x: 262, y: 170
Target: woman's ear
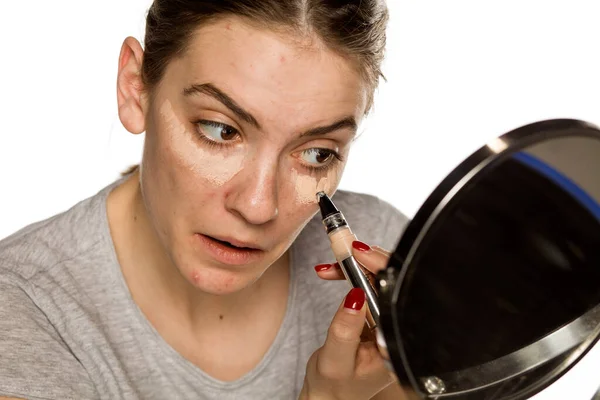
x: 130, y: 89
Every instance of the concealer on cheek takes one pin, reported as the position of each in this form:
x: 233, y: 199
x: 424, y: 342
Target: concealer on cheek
x: 307, y: 186
x: 215, y: 168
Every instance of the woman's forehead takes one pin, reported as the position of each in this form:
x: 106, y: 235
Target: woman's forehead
x: 268, y: 71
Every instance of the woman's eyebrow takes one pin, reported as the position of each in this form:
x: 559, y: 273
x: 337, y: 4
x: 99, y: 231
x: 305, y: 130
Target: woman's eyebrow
x: 213, y: 91
x: 348, y: 122
x: 221, y: 96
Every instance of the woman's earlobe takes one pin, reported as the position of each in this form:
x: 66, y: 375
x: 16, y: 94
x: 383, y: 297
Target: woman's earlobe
x: 130, y: 88
x: 132, y: 117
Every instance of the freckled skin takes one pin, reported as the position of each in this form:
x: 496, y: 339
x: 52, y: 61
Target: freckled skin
x: 258, y: 188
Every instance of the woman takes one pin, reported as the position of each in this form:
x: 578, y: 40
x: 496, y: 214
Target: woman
x: 192, y: 276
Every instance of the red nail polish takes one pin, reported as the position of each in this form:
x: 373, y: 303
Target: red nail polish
x: 361, y: 246
x: 322, y: 267
x: 355, y: 299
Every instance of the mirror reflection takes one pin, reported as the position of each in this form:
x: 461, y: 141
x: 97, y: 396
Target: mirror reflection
x: 505, y: 288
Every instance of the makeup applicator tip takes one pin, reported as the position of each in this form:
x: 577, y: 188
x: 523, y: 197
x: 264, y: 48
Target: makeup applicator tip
x: 320, y: 194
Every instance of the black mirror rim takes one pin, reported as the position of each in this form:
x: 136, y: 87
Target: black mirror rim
x: 392, y: 278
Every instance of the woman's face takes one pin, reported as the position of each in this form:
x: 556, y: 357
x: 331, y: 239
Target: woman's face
x: 241, y: 133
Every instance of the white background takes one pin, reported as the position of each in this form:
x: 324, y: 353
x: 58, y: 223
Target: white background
x: 459, y: 73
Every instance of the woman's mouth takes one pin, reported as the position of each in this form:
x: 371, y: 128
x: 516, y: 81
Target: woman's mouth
x: 230, y: 251
x: 225, y: 243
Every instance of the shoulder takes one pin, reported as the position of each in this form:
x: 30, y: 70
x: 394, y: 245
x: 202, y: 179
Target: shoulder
x: 46, y: 243
x: 31, y: 346
x: 354, y: 204
x: 30, y: 287
x: 41, y: 270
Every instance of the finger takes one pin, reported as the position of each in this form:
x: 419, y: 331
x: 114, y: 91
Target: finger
x: 333, y: 272
x: 382, y: 251
x: 370, y: 364
x: 372, y: 258
x: 338, y: 355
x: 330, y: 271
x: 367, y: 335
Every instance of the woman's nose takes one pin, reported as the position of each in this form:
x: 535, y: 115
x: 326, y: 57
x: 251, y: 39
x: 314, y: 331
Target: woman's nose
x: 254, y: 194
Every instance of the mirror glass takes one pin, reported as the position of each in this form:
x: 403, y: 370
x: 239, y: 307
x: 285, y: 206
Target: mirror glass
x: 504, y: 290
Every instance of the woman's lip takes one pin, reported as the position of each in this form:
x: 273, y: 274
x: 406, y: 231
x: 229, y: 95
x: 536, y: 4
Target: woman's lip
x: 228, y: 255
x: 237, y: 243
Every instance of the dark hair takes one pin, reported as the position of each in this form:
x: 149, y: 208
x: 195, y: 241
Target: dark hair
x: 355, y: 29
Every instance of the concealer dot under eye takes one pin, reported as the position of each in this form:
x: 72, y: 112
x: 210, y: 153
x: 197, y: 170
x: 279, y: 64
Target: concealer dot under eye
x: 307, y: 185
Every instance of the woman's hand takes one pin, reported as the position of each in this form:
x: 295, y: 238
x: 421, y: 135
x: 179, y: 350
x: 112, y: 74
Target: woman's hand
x: 346, y: 367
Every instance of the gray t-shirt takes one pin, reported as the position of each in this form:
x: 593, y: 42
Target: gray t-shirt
x: 69, y: 328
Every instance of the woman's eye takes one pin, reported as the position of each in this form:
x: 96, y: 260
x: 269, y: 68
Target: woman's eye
x: 216, y: 131
x: 317, y: 156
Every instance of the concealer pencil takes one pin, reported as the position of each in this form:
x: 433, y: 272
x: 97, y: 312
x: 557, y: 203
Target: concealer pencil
x: 341, y: 238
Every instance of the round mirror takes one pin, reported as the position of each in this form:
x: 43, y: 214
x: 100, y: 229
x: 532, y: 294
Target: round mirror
x: 493, y: 291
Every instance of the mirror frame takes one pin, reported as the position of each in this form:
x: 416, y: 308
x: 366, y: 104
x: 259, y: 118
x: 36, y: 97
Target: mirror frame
x: 390, y: 280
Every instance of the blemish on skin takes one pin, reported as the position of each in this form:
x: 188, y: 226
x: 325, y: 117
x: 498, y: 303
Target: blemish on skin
x: 196, y: 277
x: 282, y: 59
x: 220, y: 317
x: 217, y: 168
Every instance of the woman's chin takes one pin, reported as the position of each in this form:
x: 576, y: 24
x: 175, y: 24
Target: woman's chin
x: 220, y: 282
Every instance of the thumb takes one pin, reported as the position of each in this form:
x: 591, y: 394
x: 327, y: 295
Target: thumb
x: 338, y: 354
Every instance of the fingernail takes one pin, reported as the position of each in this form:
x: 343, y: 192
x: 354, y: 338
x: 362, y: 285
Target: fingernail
x: 322, y: 267
x: 360, y: 246
x: 355, y: 299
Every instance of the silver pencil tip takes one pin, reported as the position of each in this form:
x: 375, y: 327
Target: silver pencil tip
x: 320, y: 194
